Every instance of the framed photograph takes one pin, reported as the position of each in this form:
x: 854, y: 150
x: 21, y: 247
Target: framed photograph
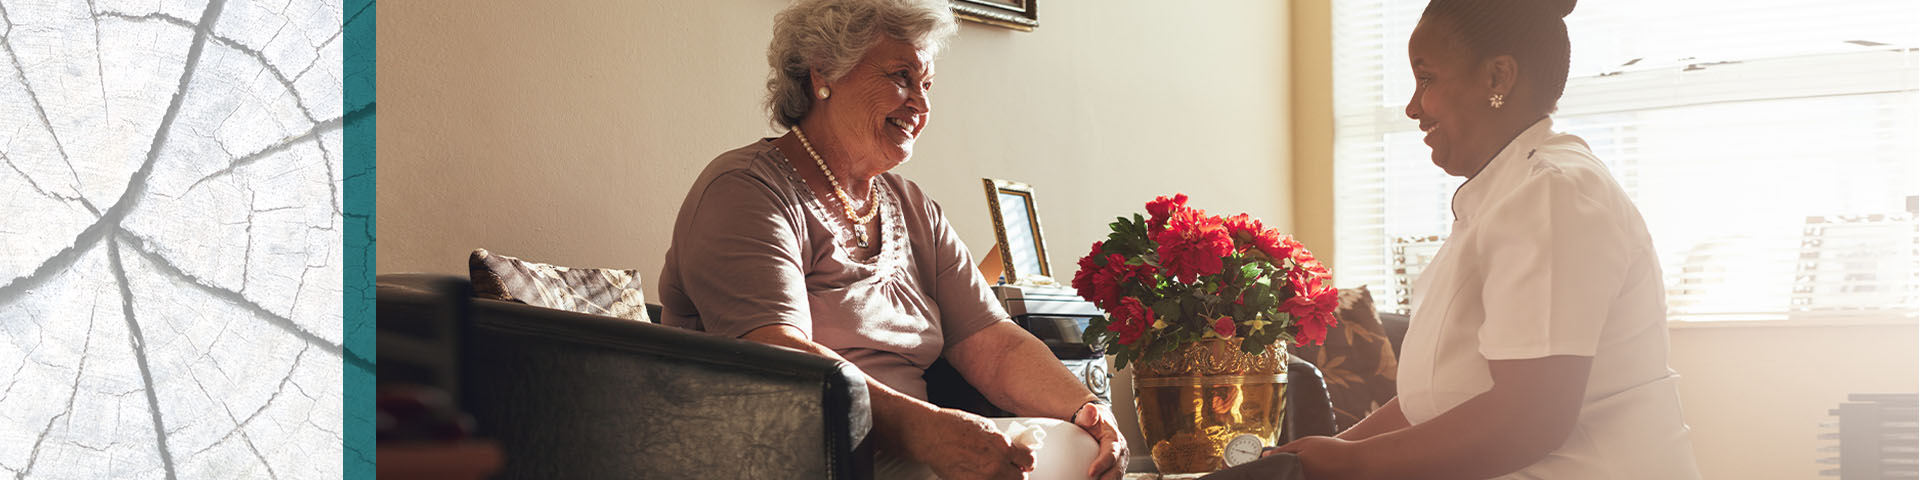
x: 1020, y: 15
x: 1016, y: 226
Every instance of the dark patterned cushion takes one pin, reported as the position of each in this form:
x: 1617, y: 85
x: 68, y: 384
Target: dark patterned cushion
x: 1357, y: 359
x: 597, y: 291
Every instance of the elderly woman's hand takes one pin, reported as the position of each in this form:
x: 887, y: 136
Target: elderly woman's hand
x: 1097, y: 420
x: 962, y: 446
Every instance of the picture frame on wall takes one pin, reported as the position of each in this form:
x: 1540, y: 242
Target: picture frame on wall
x: 1022, y: 15
x: 1021, y: 246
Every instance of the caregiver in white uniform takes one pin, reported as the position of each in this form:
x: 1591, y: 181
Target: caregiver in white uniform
x: 1537, y: 346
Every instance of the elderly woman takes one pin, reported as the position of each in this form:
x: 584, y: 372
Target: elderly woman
x: 806, y: 241
x: 1537, y: 346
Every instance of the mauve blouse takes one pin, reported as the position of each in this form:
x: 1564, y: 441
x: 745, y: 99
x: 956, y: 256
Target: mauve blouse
x: 753, y: 247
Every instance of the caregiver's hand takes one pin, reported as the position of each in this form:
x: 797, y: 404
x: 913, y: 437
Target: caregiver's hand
x: 1324, y: 458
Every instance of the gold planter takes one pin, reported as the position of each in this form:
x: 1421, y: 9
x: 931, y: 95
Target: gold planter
x: 1197, y: 402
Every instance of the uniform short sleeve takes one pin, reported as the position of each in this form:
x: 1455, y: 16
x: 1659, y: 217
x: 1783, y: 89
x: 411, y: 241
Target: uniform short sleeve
x: 966, y: 305
x: 1552, y: 259
x: 739, y: 258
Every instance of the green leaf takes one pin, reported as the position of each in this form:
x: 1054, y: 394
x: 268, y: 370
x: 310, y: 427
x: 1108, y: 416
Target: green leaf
x: 1188, y: 306
x: 1168, y: 309
x: 1212, y: 300
x: 1252, y: 346
x: 1096, y: 328
x: 1260, y: 297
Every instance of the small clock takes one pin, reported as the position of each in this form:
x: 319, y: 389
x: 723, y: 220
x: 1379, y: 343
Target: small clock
x: 1242, y: 449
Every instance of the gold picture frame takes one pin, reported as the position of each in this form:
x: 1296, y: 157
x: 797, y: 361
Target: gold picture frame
x: 1021, y: 246
x: 1022, y: 15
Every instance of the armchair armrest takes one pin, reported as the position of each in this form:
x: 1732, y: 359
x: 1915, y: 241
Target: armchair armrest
x: 571, y: 395
x: 1309, y: 411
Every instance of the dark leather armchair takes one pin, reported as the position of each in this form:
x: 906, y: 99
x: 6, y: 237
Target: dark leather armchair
x: 569, y: 395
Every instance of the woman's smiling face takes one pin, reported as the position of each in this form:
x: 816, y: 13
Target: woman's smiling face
x: 1450, y: 99
x: 881, y: 104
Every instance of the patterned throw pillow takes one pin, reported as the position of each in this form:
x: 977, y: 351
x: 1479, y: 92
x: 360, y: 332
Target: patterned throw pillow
x: 1357, y: 359
x: 597, y: 291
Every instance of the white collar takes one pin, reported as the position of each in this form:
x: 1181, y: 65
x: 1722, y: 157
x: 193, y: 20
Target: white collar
x: 1468, y: 198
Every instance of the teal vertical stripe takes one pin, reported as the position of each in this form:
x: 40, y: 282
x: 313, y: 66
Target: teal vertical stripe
x: 357, y: 431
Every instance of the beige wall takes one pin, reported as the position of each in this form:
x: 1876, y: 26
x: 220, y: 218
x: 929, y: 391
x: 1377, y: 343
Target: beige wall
x: 568, y: 131
x: 1755, y: 395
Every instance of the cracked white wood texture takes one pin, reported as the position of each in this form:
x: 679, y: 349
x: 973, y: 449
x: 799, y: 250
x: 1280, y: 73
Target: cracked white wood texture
x: 170, y: 255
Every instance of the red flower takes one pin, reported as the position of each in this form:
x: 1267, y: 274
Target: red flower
x: 1312, y: 307
x: 1224, y: 326
x: 1276, y: 246
x: 1130, y: 320
x: 1106, y: 285
x: 1247, y: 232
x: 1102, y: 285
x: 1193, y: 244
x: 1083, y: 279
x: 1162, y: 208
x: 1302, y: 257
x: 1243, y: 226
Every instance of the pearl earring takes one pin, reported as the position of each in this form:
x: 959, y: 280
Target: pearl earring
x: 1496, y: 100
x: 824, y: 93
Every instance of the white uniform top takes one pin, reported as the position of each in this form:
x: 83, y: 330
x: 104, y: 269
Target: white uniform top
x: 1549, y: 257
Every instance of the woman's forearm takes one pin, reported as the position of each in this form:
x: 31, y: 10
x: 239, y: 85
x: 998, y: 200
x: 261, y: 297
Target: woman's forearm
x: 891, y: 409
x: 1464, y: 443
x: 1017, y: 372
x: 1385, y: 419
x: 1527, y: 414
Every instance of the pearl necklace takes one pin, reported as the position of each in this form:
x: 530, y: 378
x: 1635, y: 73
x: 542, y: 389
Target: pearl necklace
x: 846, y: 201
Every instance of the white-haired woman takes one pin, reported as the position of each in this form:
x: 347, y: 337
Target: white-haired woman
x: 806, y: 241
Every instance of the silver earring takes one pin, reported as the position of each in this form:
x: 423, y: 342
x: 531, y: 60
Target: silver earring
x: 1496, y: 100
x: 824, y: 93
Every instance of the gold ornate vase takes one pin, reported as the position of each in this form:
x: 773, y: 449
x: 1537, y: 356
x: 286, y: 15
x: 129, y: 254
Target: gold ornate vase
x: 1203, y: 407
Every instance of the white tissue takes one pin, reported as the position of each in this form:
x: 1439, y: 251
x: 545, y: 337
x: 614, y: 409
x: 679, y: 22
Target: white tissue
x: 1061, y: 450
x: 1028, y: 434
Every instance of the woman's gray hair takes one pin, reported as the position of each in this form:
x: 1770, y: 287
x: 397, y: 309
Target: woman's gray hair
x: 830, y: 36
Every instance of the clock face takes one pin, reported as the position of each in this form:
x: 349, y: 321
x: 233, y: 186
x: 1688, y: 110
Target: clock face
x: 1242, y: 449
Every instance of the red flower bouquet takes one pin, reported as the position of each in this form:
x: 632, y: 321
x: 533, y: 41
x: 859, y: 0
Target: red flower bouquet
x: 1181, y: 276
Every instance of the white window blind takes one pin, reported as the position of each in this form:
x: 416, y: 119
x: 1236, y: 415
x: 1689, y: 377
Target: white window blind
x: 1773, y: 147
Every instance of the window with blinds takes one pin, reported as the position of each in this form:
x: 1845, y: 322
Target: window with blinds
x: 1773, y: 147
